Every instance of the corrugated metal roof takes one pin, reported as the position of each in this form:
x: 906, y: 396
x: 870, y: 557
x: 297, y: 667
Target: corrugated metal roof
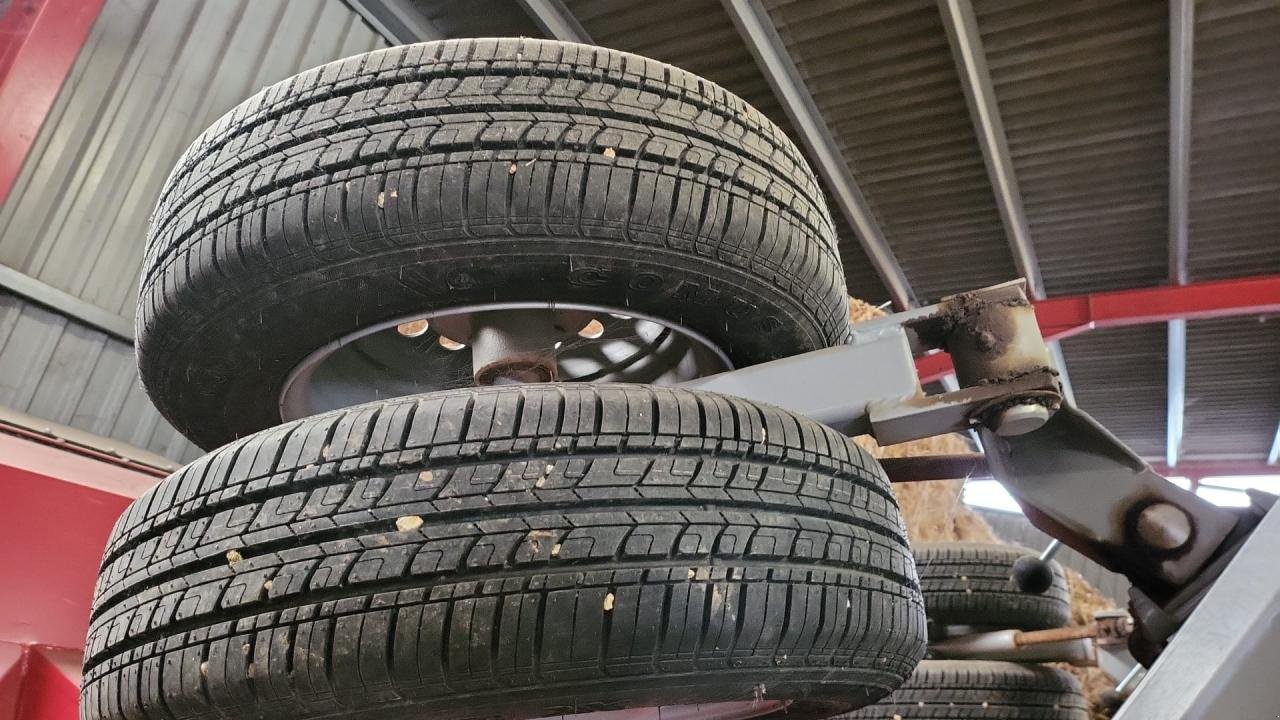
x: 883, y: 76
x: 479, y: 18
x: 1235, y: 141
x: 1233, y: 397
x: 1118, y: 376
x: 698, y: 35
x: 1083, y: 91
x: 150, y: 77
x: 59, y: 370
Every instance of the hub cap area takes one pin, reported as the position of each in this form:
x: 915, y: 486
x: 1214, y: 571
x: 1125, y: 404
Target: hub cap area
x: 495, y: 345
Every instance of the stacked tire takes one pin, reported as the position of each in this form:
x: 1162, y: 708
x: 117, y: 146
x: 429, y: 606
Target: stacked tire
x: 971, y: 585
x: 519, y: 551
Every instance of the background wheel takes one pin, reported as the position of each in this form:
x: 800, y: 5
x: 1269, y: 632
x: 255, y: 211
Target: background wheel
x: 972, y: 584
x: 453, y: 177
x: 975, y: 690
x: 522, y: 552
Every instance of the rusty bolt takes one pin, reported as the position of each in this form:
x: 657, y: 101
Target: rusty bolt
x: 985, y: 341
x: 1020, y: 419
x: 1164, y: 526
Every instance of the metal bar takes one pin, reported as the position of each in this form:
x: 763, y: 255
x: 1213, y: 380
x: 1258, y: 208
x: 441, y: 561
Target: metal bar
x: 1176, y: 396
x: 1135, y: 674
x: 935, y: 467
x: 1221, y: 663
x: 1072, y: 645
x: 43, y: 39
x: 766, y: 46
x: 67, y: 304
x: 1064, y: 316
x: 1050, y: 550
x: 974, y: 467
x: 1273, y: 457
x: 1181, y: 46
x: 556, y: 20
x: 819, y: 384
x: 1023, y: 638
x: 975, y: 77
x: 1064, y: 472
x: 399, y: 21
x: 1195, y: 470
x: 74, y: 440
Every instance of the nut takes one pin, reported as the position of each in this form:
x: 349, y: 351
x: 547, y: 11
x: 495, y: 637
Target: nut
x: 1020, y: 419
x: 1164, y: 526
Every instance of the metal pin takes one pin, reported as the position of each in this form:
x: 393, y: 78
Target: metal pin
x: 1050, y: 550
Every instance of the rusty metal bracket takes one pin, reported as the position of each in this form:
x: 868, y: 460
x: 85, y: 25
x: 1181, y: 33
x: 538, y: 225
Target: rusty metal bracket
x: 1007, y: 380
x: 870, y: 384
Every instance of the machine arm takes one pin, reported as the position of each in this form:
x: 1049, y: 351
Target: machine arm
x: 1075, y: 481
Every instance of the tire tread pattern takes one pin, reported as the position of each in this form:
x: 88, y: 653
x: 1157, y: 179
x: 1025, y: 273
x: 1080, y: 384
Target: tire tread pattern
x: 972, y: 584
x: 571, y: 535
x: 981, y: 690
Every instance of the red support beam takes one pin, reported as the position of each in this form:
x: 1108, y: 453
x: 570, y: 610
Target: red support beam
x: 57, y: 511
x: 39, y: 41
x: 39, y: 683
x: 1062, y: 317
x: 58, y: 507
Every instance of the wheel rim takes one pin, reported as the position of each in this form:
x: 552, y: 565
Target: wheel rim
x: 407, y: 355
x: 742, y: 710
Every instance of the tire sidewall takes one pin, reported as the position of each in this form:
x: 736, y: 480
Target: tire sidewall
x: 198, y: 369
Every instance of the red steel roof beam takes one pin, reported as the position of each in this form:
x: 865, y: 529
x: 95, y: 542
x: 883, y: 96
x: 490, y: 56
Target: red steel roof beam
x: 39, y: 42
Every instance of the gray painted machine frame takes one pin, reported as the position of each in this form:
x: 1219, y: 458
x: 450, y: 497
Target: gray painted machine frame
x: 1190, y: 561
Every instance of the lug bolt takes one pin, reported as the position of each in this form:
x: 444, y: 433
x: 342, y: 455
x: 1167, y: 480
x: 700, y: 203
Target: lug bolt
x: 592, y: 330
x: 1164, y: 526
x: 413, y: 328
x: 1020, y: 419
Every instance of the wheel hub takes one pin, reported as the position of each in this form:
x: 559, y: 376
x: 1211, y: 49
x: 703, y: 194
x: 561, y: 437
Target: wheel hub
x: 496, y: 344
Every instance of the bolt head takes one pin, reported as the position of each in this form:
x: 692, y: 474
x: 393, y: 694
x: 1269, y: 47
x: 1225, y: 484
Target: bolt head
x: 1020, y: 419
x: 1164, y: 526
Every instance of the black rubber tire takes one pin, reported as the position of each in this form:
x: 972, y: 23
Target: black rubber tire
x: 433, y: 176
x: 972, y: 584
x: 981, y: 690
x: 742, y: 550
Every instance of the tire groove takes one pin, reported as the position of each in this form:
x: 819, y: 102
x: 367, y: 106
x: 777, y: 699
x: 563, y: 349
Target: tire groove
x: 103, y: 603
